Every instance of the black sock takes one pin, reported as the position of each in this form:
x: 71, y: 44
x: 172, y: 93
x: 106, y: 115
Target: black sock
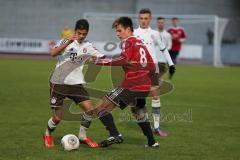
x: 108, y: 122
x: 147, y: 131
x: 50, y: 130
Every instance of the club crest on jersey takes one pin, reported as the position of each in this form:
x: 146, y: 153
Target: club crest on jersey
x: 72, y: 54
x: 84, y: 50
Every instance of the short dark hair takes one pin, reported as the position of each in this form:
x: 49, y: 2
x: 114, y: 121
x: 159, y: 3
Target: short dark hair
x: 175, y: 18
x: 82, y: 24
x: 160, y: 18
x: 124, y: 21
x: 145, y: 10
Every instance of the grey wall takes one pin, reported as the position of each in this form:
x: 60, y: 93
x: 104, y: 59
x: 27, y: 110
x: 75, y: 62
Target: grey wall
x: 46, y: 18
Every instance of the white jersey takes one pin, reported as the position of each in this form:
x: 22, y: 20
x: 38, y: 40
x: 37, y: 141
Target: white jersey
x: 153, y: 41
x: 70, y: 63
x: 167, y: 38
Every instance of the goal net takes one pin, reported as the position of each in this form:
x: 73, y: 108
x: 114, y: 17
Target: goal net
x: 204, y: 34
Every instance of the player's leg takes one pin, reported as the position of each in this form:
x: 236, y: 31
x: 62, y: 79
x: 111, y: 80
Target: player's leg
x: 174, y: 55
x: 141, y: 115
x: 85, y: 122
x: 80, y: 96
x: 51, y: 126
x: 102, y: 110
x: 156, y: 103
x: 56, y: 101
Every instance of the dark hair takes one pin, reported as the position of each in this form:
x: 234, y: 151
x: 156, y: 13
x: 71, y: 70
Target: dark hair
x: 124, y: 21
x: 160, y: 18
x: 175, y: 18
x: 82, y: 24
x: 145, y: 10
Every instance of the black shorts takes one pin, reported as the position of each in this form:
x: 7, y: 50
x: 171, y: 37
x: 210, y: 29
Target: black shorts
x: 162, y: 70
x: 174, y: 55
x: 155, y: 79
x: 58, y: 92
x: 123, y: 97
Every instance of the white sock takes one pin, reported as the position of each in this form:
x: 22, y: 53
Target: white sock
x: 82, y: 133
x: 156, y: 113
x: 51, y: 127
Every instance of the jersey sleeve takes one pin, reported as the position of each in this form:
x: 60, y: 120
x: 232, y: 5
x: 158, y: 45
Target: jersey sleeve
x: 94, y: 52
x: 162, y: 47
x: 169, y: 30
x: 169, y: 41
x: 123, y: 59
x: 62, y: 41
x: 158, y: 40
x: 127, y: 51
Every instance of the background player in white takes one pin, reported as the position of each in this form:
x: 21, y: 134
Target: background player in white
x: 67, y: 81
x: 167, y: 39
x: 155, y: 46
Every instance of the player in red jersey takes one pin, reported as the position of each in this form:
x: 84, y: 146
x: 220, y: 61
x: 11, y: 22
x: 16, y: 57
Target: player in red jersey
x: 178, y: 37
x: 134, y: 88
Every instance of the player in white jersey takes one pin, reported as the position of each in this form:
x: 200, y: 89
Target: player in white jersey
x: 157, y: 49
x: 67, y: 81
x: 167, y: 39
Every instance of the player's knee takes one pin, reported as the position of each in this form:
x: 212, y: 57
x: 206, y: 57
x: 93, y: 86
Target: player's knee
x: 56, y: 119
x: 155, y: 98
x: 141, y: 115
x: 102, y: 113
x: 57, y: 115
x: 156, y: 102
x: 141, y: 103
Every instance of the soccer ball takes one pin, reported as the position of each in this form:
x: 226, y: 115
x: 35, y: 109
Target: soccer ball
x: 70, y: 142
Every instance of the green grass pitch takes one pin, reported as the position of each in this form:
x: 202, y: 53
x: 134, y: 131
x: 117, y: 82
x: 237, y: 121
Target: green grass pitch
x: 201, y: 116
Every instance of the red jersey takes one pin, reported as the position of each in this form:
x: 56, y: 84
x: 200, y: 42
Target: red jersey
x: 178, y: 36
x: 138, y: 74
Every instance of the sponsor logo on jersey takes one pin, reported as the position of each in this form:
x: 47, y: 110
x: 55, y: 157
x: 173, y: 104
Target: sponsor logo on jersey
x: 73, y: 54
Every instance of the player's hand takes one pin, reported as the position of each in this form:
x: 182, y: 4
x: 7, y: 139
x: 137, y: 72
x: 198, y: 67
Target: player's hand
x: 172, y: 70
x: 175, y: 37
x: 181, y: 40
x: 73, y: 38
x: 98, y: 60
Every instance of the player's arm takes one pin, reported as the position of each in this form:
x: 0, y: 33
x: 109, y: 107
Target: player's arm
x: 115, y: 61
x: 183, y: 36
x: 165, y: 52
x: 118, y: 60
x: 158, y: 40
x: 169, y: 41
x: 95, y: 54
x: 171, y: 65
x: 58, y: 50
